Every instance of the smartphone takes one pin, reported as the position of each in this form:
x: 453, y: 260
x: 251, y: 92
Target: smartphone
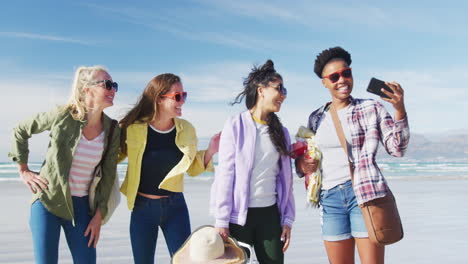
x: 375, y: 85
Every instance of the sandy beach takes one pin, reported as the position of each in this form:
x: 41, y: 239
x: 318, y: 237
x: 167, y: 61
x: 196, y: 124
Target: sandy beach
x: 434, y: 216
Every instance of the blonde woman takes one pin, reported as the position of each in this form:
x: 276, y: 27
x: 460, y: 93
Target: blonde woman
x: 161, y: 147
x: 78, y: 137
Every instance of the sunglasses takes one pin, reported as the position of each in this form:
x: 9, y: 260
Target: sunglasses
x: 176, y: 96
x: 280, y: 88
x: 109, y: 85
x: 334, y: 77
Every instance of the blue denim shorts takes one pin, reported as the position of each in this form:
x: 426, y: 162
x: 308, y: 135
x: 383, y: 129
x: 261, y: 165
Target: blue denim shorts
x: 341, y: 217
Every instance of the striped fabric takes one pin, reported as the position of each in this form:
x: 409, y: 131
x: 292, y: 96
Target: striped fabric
x: 370, y: 125
x: 87, y: 155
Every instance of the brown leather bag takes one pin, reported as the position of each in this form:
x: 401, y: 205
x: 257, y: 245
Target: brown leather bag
x: 382, y: 220
x: 381, y: 215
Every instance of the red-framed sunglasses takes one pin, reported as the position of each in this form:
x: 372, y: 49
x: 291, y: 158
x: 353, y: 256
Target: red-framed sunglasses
x: 334, y: 77
x: 176, y: 96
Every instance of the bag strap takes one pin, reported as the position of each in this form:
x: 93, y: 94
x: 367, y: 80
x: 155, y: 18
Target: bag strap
x: 109, y: 140
x: 341, y: 136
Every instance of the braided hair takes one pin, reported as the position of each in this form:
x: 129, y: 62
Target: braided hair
x: 262, y: 76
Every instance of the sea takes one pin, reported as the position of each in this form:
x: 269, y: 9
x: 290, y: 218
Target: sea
x: 391, y: 170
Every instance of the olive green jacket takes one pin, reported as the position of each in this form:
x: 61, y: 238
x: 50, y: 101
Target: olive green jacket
x: 65, y: 133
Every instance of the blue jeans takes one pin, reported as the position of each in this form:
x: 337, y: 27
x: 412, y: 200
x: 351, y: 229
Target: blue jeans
x: 171, y: 214
x: 341, y: 215
x: 45, y: 228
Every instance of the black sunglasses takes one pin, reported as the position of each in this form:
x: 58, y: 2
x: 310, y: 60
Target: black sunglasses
x: 109, y: 85
x: 281, y: 89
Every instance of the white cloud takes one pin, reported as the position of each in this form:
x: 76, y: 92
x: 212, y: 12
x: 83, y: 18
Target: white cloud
x: 430, y: 86
x: 216, y: 82
x: 320, y: 14
x: 434, y: 98
x: 35, y: 36
x: 189, y: 30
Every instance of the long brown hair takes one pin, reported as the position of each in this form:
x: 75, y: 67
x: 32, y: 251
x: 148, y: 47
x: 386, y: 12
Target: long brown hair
x: 146, y: 107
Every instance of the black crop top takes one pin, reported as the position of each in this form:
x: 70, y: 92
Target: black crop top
x: 160, y: 156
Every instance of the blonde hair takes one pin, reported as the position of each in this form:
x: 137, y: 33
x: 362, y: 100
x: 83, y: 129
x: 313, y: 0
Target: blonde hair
x: 84, y: 76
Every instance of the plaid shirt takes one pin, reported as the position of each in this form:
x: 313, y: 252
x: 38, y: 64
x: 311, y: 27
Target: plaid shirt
x: 370, y: 124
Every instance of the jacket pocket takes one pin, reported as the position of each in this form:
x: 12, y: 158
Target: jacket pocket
x: 59, y: 136
x: 55, y: 135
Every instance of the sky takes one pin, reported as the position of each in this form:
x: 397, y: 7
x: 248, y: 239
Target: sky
x: 213, y: 44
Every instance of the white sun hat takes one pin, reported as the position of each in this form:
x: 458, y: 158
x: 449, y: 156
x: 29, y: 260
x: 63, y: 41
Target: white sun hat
x: 206, y: 246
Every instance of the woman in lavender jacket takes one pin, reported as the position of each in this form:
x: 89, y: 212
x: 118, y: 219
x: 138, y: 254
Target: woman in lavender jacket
x: 252, y: 194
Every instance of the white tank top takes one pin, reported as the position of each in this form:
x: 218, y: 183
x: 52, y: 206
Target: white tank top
x: 265, y: 170
x: 335, y: 168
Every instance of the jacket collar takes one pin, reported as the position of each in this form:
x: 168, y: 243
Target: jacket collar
x: 106, y: 122
x: 178, y: 124
x: 247, y: 117
x: 250, y: 129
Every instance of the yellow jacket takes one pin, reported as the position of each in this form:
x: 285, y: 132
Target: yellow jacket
x: 192, y: 162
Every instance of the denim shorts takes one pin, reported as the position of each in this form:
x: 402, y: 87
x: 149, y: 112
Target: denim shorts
x: 341, y: 217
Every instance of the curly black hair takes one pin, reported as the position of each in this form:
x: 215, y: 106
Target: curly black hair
x: 262, y: 76
x: 326, y: 55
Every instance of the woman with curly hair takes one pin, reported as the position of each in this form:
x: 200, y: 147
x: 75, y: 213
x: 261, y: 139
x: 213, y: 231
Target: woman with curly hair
x: 252, y: 193
x: 365, y: 123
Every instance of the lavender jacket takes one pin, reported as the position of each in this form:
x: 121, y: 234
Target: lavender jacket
x: 230, y: 189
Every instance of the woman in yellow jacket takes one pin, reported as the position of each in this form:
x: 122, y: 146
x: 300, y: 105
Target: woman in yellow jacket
x: 160, y: 148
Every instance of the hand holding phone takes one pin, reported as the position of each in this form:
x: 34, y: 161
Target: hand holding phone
x: 375, y: 86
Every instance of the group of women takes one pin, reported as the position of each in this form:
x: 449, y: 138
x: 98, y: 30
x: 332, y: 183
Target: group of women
x: 252, y: 193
